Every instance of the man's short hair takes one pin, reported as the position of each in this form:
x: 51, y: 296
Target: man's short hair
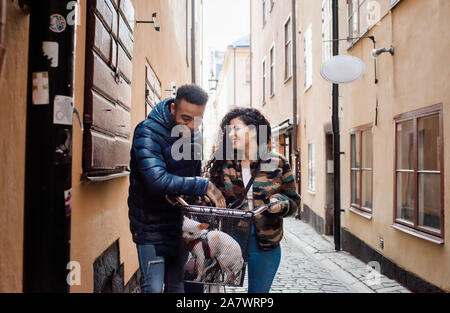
x: 192, y: 94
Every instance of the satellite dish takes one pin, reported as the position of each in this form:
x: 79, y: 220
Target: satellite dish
x: 342, y: 69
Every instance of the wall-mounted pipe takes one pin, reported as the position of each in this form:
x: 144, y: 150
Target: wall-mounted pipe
x: 295, y: 103
x: 336, y: 137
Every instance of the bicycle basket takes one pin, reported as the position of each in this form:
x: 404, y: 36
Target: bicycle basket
x: 214, y: 245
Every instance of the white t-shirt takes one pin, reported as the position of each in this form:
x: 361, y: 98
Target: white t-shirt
x: 246, y: 176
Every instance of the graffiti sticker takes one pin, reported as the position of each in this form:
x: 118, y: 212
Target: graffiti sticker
x: 40, y: 90
x: 58, y: 23
x: 68, y: 202
x: 63, y: 110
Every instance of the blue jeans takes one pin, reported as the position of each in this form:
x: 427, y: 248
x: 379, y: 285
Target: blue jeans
x: 158, y: 271
x: 262, y: 266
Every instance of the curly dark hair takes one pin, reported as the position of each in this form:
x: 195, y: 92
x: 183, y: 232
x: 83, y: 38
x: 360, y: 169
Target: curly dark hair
x: 192, y: 94
x: 250, y: 117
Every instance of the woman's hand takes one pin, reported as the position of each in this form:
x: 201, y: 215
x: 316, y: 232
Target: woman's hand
x: 275, y: 208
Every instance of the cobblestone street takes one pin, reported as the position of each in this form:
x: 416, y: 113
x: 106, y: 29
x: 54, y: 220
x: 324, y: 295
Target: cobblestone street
x: 309, y: 264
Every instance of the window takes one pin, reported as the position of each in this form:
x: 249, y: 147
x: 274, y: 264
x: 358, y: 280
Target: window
x: 272, y: 70
x: 394, y: 3
x: 311, y: 167
x: 264, y: 81
x: 419, y: 193
x: 107, y: 105
x: 248, y: 70
x: 361, y: 147
x: 308, y: 57
x: 287, y: 49
x: 264, y: 11
x: 327, y: 31
x: 358, y: 22
x: 152, y: 89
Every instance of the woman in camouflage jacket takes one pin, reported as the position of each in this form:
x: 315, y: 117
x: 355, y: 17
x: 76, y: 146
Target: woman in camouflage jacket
x: 249, y: 133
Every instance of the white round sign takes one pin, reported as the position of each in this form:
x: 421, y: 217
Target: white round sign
x: 342, y: 69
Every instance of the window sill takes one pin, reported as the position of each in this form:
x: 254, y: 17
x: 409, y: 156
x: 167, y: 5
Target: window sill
x: 356, y: 211
x: 107, y: 177
x: 271, y: 96
x: 307, y: 88
x: 311, y: 192
x: 418, y: 234
x: 287, y: 79
x: 394, y: 5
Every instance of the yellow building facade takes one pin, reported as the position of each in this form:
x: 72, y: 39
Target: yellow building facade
x: 161, y: 61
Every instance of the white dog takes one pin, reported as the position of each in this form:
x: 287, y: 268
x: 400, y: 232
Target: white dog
x: 220, y: 246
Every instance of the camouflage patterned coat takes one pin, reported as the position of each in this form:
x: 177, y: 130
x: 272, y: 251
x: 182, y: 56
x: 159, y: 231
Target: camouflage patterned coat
x: 275, y: 180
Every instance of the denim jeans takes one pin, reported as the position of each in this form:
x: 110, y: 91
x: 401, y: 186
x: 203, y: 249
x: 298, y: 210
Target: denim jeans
x: 262, y: 266
x: 158, y: 272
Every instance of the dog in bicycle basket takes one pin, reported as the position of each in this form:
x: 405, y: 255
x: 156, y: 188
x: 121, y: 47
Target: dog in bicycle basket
x: 218, y: 257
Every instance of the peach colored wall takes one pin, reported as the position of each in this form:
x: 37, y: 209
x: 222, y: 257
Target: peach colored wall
x: 315, y: 106
x: 278, y: 107
x: 100, y: 210
x: 416, y: 77
x: 13, y: 108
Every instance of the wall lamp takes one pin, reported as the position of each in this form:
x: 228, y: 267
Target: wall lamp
x: 153, y: 21
x: 212, y: 81
x: 377, y: 52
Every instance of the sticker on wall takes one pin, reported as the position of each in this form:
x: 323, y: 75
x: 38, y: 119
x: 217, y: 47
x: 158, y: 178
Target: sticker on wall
x: 40, y: 94
x: 68, y: 202
x: 58, y: 23
x: 63, y: 110
x: 51, y: 51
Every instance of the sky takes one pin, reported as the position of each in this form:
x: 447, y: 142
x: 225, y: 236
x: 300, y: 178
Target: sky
x: 224, y: 22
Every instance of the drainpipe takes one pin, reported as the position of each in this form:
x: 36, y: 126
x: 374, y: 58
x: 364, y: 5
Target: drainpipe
x: 48, y: 168
x: 336, y: 136
x: 295, y: 120
x: 234, y: 70
x: 251, y: 58
x: 193, y: 42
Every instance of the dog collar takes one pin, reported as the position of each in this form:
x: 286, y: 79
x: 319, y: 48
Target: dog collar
x: 204, y: 240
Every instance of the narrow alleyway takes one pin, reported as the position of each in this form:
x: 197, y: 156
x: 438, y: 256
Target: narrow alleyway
x: 310, y: 264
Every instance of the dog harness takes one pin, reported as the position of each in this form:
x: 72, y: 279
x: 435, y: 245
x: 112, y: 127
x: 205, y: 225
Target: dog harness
x: 204, y: 240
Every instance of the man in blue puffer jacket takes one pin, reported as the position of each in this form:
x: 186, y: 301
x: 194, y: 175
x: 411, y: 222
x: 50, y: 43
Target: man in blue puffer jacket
x: 156, y: 172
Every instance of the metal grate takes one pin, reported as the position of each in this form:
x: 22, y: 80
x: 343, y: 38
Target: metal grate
x: 214, y: 245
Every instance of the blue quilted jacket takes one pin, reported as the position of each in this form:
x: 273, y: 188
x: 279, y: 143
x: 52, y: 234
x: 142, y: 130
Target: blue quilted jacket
x: 155, y: 173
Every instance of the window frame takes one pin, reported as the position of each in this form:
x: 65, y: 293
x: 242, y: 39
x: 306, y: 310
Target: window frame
x: 288, y: 71
x: 394, y: 3
x: 272, y: 70
x: 327, y: 22
x: 350, y: 17
x: 152, y: 94
x: 360, y: 130
x: 311, y: 167
x: 415, y: 116
x: 308, y: 43
x: 264, y: 77
x: 264, y: 11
